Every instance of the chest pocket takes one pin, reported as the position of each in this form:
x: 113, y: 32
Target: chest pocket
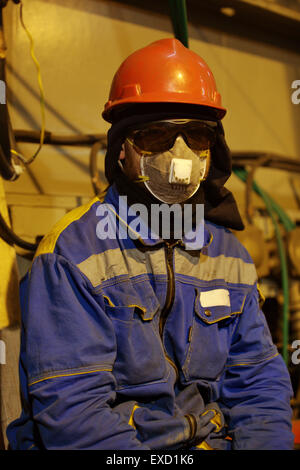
x: 140, y: 357
x: 215, y: 315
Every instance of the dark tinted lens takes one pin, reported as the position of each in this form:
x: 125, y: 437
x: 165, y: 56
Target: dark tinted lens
x: 156, y: 138
x: 199, y: 136
x: 160, y: 136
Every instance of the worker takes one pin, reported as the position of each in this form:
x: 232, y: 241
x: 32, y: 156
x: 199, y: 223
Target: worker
x: 143, y: 331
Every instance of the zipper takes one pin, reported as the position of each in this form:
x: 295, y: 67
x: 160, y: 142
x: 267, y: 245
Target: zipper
x: 169, y: 250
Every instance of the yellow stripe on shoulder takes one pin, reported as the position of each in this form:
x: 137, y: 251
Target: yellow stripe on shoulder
x: 47, y: 244
x: 131, y: 421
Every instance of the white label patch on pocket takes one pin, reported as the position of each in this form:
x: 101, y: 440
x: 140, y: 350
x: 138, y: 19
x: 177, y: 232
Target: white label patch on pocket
x: 215, y: 298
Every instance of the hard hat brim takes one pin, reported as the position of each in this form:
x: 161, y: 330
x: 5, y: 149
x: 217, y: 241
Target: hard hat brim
x: 111, y: 108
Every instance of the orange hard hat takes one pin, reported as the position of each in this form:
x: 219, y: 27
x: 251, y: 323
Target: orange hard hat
x: 164, y: 72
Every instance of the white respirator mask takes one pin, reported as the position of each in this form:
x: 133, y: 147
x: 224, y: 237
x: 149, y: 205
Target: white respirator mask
x: 175, y: 175
x: 172, y: 157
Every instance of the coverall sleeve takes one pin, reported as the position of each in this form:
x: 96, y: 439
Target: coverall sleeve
x: 256, y: 389
x: 68, y: 353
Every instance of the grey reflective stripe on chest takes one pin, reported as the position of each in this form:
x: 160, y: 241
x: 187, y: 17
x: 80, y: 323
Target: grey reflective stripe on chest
x: 113, y: 263
x: 133, y: 262
x: 230, y: 269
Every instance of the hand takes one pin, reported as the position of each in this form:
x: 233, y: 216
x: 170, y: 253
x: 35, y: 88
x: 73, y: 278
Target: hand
x: 210, y: 420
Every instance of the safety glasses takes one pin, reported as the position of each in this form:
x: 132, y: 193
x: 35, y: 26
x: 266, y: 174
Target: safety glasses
x: 160, y: 136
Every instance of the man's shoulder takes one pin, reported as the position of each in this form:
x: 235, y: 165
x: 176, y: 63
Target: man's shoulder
x: 225, y: 242
x: 227, y: 255
x: 69, y: 236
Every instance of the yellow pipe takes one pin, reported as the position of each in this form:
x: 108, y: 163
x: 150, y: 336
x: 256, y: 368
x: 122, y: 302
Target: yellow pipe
x: 9, y: 279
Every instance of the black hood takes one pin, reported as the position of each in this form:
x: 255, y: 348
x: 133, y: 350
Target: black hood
x: 219, y: 204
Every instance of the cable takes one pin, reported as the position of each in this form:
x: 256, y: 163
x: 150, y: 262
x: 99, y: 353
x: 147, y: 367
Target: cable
x: 179, y: 20
x: 243, y: 159
x: 55, y: 139
x: 249, y: 184
x: 97, y: 187
x: 42, y: 98
x: 242, y: 174
x: 295, y: 192
x: 283, y: 216
x: 12, y: 239
x: 7, y: 170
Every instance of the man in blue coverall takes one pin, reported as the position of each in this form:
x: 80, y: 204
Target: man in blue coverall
x: 142, y: 331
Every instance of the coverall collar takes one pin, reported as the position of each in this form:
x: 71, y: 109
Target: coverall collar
x: 196, y: 239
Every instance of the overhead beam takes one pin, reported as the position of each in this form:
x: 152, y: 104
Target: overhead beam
x: 248, y: 21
